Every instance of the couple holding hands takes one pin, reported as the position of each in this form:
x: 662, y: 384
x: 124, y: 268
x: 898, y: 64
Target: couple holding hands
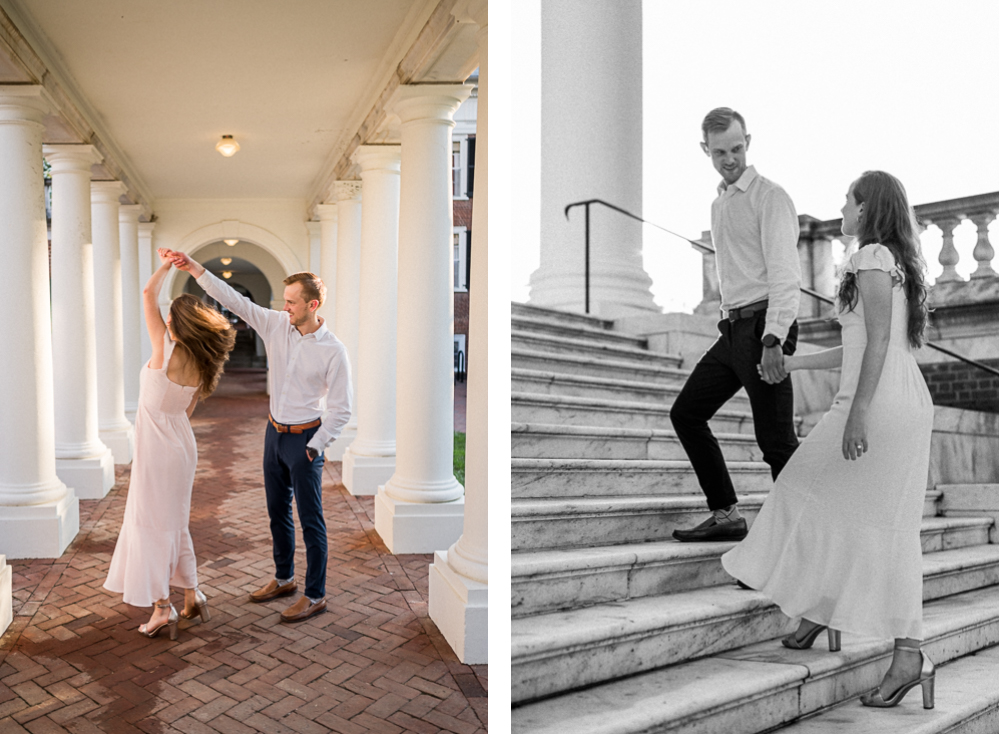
x: 310, y: 404
x: 837, y: 541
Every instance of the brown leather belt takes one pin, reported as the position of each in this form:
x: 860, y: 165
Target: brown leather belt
x: 746, y: 312
x: 299, y: 428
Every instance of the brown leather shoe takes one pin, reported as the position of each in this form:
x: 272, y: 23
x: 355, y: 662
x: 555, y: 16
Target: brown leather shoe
x: 273, y: 591
x: 303, y: 609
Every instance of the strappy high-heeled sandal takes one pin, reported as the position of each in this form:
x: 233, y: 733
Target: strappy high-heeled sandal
x: 875, y: 699
x: 170, y: 624
x: 200, y: 608
x: 794, y: 643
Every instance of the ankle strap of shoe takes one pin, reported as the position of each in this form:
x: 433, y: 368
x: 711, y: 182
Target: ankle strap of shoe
x: 168, y: 605
x: 907, y: 647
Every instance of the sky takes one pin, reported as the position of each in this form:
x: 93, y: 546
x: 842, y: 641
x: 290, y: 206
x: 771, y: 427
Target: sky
x: 828, y: 91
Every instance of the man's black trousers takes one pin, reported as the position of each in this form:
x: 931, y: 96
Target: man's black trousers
x: 731, y: 363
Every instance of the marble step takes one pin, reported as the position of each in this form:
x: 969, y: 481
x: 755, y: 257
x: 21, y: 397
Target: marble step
x: 559, y: 317
x: 763, y: 686
x: 553, y: 580
x: 590, y: 348
x: 539, y: 478
x: 567, y: 523
x: 964, y: 500
x: 542, y: 440
x: 538, y: 524
x: 568, y: 364
x: 965, y: 702
x: 543, y: 382
x: 555, y: 409
x: 584, y: 332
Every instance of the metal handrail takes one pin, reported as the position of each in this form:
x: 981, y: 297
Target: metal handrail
x: 705, y: 248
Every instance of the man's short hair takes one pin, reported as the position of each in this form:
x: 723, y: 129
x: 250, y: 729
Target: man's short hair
x: 312, y: 287
x: 719, y: 120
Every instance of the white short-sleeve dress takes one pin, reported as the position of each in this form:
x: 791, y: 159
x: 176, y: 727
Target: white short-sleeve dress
x: 154, y: 549
x: 838, y: 541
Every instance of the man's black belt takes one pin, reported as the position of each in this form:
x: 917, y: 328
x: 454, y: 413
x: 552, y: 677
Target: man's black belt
x: 746, y: 312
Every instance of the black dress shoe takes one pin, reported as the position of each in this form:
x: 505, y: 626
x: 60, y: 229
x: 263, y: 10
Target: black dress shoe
x: 712, y: 530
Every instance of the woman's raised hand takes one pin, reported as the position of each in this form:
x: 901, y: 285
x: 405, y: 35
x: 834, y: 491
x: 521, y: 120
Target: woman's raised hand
x: 166, y: 256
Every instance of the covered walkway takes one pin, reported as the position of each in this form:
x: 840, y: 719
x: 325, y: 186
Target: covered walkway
x: 73, y: 661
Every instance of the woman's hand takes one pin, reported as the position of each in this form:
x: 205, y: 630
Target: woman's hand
x: 787, y: 365
x: 166, y: 257
x: 855, y: 437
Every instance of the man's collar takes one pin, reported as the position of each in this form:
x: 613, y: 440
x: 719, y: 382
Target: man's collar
x: 743, y: 182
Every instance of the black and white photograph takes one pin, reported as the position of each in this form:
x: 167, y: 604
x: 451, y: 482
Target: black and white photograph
x: 754, y: 350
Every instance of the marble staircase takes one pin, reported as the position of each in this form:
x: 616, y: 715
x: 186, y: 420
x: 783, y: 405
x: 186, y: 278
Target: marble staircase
x: 618, y: 628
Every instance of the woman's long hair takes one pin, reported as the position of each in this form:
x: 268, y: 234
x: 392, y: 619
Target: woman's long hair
x: 889, y: 220
x: 206, y: 335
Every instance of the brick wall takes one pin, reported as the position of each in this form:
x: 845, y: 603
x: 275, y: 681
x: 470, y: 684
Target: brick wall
x: 462, y: 315
x: 958, y: 385
x: 463, y: 212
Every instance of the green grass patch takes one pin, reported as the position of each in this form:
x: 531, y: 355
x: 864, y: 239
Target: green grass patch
x: 460, y: 458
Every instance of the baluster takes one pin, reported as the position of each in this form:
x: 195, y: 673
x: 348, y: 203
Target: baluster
x: 984, y: 250
x: 949, y: 255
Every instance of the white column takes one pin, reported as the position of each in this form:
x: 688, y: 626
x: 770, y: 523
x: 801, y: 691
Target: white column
x: 114, y: 428
x: 315, y: 246
x: 348, y: 197
x: 457, y: 581
x: 128, y: 235
x: 419, y: 510
x: 592, y: 62
x: 39, y: 515
x: 145, y: 271
x: 327, y: 265
x: 371, y: 458
x: 82, y: 459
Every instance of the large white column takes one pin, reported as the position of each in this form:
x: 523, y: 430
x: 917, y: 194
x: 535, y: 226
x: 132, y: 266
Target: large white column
x: 458, y: 591
x: 419, y: 510
x: 315, y: 245
x: 114, y: 428
x: 592, y: 60
x: 39, y: 515
x: 128, y: 236
x: 145, y: 271
x: 327, y: 270
x: 348, y: 197
x: 82, y: 459
x: 371, y: 458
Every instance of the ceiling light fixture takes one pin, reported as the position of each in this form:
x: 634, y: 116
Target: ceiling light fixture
x: 226, y: 260
x: 227, y: 146
x: 231, y: 243
x: 227, y: 274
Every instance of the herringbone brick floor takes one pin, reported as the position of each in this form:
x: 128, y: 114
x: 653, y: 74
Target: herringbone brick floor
x: 374, y: 662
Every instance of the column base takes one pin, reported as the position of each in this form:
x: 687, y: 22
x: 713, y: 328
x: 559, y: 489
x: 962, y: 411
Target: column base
x: 6, y: 595
x: 363, y: 475
x: 121, y: 442
x: 417, y: 527
x: 336, y: 450
x: 39, y: 531
x: 91, y: 478
x: 458, y: 607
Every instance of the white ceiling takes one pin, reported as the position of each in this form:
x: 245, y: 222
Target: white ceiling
x: 166, y: 79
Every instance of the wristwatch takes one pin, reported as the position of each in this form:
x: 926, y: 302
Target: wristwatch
x: 313, y: 453
x: 770, y: 340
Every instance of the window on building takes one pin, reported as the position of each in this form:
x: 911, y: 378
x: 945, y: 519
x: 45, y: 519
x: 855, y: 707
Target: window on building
x: 456, y: 168
x: 471, y: 154
x: 461, y: 251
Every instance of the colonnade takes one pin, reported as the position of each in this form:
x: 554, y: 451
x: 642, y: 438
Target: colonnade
x: 385, y: 251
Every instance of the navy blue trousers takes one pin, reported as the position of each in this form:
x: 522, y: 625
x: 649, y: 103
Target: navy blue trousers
x: 287, y: 473
x: 729, y: 364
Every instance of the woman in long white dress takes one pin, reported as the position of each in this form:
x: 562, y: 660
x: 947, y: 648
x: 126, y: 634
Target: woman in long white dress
x: 154, y: 548
x: 837, y: 542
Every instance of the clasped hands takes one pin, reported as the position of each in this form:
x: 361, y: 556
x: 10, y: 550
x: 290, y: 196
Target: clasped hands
x: 179, y: 260
x: 772, y: 366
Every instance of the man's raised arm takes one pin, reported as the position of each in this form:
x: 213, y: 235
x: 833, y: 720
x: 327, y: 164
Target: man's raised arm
x: 257, y: 317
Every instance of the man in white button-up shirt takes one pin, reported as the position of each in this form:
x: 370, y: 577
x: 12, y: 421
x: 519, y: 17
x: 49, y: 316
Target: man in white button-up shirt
x: 755, y: 231
x: 310, y: 376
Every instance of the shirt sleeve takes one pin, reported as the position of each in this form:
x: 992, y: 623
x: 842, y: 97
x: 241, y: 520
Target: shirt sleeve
x: 875, y: 257
x: 338, y: 402
x: 779, y: 229
x: 259, y: 318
